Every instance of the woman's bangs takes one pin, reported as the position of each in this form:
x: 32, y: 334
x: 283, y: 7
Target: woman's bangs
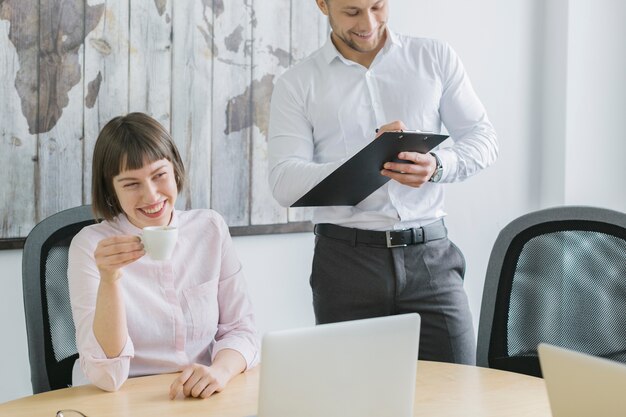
x: 139, y: 153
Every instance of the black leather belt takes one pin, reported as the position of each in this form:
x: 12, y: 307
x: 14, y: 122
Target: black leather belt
x: 388, y: 239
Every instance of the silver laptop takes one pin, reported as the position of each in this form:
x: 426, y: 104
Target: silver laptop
x: 581, y: 385
x: 361, y: 368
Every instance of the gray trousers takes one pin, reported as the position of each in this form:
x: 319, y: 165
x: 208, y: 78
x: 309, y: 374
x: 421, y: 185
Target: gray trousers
x: 352, y: 282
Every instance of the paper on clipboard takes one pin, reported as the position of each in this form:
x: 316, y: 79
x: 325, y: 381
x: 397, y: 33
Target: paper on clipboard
x: 360, y: 176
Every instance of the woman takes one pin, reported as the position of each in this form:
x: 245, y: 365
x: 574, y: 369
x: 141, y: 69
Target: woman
x: 136, y: 316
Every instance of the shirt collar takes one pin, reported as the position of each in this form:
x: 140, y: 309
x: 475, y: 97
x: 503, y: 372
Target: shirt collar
x: 392, y: 39
x: 330, y: 52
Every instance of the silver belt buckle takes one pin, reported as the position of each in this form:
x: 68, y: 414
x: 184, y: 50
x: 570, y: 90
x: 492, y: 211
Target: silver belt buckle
x: 389, y: 243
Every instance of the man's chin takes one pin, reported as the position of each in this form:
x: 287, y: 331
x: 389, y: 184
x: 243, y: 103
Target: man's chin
x: 364, y: 49
x: 365, y: 46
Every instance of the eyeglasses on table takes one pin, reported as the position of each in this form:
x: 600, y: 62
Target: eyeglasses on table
x: 70, y: 413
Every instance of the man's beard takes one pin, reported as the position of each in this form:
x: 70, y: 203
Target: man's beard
x: 354, y: 46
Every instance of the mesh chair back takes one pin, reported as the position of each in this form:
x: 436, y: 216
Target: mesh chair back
x: 556, y: 276
x: 50, y: 328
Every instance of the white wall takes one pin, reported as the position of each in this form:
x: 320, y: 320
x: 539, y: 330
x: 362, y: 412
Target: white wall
x: 583, y: 99
x: 596, y: 103
x: 277, y: 270
x: 15, y: 381
x: 531, y: 64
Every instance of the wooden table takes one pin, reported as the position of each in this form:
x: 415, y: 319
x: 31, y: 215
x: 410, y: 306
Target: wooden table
x: 442, y: 389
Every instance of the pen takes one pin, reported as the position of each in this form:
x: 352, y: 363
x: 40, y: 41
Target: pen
x: 407, y: 131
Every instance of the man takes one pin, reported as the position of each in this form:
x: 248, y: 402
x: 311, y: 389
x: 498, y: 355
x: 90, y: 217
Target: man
x: 367, y: 79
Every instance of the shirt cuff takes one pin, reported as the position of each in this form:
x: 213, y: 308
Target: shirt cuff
x: 249, y: 351
x: 106, y: 373
x: 448, y: 164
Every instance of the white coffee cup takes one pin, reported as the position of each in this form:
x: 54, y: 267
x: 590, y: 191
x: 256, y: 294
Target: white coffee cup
x: 159, y: 241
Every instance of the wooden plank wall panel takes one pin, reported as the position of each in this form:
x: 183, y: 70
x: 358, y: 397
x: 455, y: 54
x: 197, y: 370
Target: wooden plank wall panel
x: 105, y: 78
x: 18, y: 148
x: 232, y: 117
x: 309, y: 31
x: 204, y: 68
x: 60, y: 114
x: 150, y: 58
x: 271, y: 42
x: 192, y: 68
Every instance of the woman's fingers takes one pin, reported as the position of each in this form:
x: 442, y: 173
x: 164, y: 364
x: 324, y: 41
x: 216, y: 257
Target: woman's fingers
x: 197, y: 381
x: 179, y: 382
x: 116, y: 252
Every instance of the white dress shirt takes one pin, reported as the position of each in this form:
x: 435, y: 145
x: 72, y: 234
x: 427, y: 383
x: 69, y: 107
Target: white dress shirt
x: 179, y: 311
x: 327, y: 108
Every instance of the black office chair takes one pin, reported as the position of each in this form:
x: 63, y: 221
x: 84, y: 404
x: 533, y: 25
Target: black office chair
x: 49, y: 324
x: 557, y: 276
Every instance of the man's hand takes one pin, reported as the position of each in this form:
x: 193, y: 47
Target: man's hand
x: 198, y: 381
x: 415, y: 173
x: 394, y: 126
x: 419, y: 167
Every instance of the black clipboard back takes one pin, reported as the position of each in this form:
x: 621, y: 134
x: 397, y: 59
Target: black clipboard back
x: 360, y: 176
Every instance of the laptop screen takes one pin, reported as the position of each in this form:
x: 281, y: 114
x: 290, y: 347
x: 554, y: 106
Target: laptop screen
x: 581, y: 385
x: 356, y: 368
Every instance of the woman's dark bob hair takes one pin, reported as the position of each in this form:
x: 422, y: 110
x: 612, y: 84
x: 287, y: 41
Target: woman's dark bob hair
x: 126, y: 143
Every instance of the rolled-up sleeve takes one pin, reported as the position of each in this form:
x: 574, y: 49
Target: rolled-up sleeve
x: 83, y: 278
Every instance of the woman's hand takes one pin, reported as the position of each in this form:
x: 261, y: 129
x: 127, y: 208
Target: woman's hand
x: 199, y: 381
x: 115, y: 252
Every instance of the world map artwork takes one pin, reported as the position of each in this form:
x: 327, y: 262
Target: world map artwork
x: 51, y: 64
x: 48, y: 65
x: 205, y: 69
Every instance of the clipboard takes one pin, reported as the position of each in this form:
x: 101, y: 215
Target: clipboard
x: 360, y: 176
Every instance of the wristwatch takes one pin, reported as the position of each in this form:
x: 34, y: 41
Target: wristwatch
x: 436, y: 177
